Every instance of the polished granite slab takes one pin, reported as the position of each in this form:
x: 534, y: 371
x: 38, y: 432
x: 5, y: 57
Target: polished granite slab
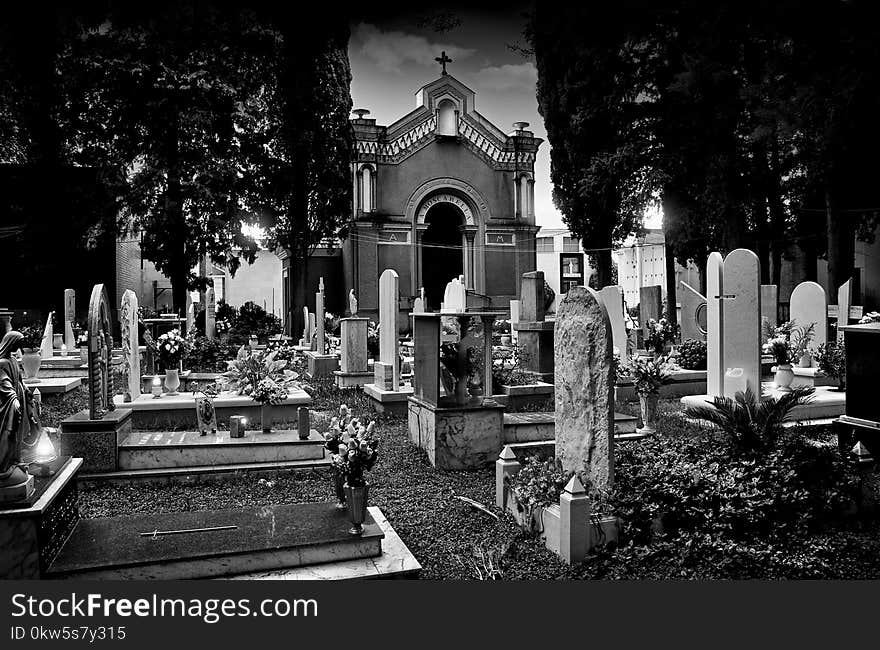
x: 266, y: 538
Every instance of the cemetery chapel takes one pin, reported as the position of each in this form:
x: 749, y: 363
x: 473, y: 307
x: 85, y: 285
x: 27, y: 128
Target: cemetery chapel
x: 440, y: 193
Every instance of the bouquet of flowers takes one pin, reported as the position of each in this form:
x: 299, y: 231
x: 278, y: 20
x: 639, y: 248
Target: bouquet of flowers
x: 33, y: 338
x: 171, y: 346
x: 222, y: 325
x: 250, y: 367
x: 269, y: 391
x: 373, y: 339
x: 658, y: 333
x: 787, y: 343
x: 647, y: 375
x: 870, y: 317
x: 831, y: 358
x: 352, y: 447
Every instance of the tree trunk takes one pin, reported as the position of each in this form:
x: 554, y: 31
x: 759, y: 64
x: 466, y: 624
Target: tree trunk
x: 177, y: 234
x: 841, y: 243
x: 777, y: 215
x: 671, y: 286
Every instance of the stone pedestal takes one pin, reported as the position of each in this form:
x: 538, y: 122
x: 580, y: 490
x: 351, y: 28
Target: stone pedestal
x: 388, y: 401
x: 32, y: 534
x: 535, y: 342
x: 96, y: 441
x: 353, y: 369
x: 321, y: 366
x: 457, y: 437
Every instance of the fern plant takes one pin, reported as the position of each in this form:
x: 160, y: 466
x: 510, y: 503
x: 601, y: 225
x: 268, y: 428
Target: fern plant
x: 750, y: 422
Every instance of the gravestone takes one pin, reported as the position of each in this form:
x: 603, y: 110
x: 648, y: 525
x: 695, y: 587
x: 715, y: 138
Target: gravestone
x: 386, y: 370
x: 714, y: 331
x: 693, y: 313
x: 514, y: 319
x: 531, y: 304
x: 454, y: 298
x: 69, y: 318
x: 319, y: 318
x: 101, y: 389
x: 844, y: 310
x: 769, y: 305
x: 741, y: 320
x: 535, y: 335
x: 313, y: 341
x: 650, y: 305
x: 210, y: 314
x: 131, y: 360
x: 585, y: 387
x: 353, y: 370
x: 809, y: 305
x: 190, y: 313
x: 48, y: 336
x: 612, y: 298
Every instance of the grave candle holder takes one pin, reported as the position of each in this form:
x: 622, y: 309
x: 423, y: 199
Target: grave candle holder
x: 237, y: 424
x: 157, y: 387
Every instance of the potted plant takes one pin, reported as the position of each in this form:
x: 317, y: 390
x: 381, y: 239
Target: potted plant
x: 268, y: 392
x: 250, y: 367
x: 356, y: 454
x: 831, y: 358
x: 648, y: 376
x: 799, y: 340
x: 342, y: 427
x: 778, y: 347
x: 170, y: 347
x: 659, y: 336
x: 30, y: 350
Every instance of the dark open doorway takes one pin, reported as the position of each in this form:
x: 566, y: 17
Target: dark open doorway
x: 441, y: 251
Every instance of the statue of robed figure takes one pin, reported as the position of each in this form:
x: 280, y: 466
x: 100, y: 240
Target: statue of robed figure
x: 19, y: 423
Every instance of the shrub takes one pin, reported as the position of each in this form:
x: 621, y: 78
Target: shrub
x: 831, y: 358
x: 692, y: 354
x: 205, y: 355
x: 253, y: 319
x: 702, y: 486
x: 507, y: 369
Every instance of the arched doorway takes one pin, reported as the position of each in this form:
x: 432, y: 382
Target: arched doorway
x: 442, y: 257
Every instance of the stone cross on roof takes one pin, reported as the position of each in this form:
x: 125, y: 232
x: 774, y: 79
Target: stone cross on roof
x: 443, y: 60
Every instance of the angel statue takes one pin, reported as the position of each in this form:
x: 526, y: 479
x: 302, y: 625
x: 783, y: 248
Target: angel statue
x: 19, y: 424
x: 352, y: 303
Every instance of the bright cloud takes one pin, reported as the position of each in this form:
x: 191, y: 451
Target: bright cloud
x: 390, y: 50
x: 520, y: 77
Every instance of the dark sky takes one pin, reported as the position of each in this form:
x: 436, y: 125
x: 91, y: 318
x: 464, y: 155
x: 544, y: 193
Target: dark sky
x: 392, y: 56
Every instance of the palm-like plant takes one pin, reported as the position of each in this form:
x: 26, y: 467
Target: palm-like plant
x: 750, y: 422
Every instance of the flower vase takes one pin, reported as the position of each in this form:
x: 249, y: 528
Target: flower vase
x: 648, y: 405
x: 266, y: 418
x: 84, y: 353
x: 30, y: 362
x: 172, y: 381
x: 356, y: 500
x: 339, y: 487
x: 784, y: 376
x: 805, y: 361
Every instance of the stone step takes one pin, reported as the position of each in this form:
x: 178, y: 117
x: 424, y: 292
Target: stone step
x: 529, y: 427
x: 243, y: 540
x: 168, y: 449
x: 199, y: 474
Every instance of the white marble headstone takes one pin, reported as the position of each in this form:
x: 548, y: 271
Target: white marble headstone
x: 48, y: 337
x: 612, y: 297
x: 693, y: 313
x: 514, y: 318
x: 844, y: 302
x: 742, y: 318
x: 210, y: 314
x: 69, y: 318
x: 714, y: 317
x: 808, y: 304
x: 319, y: 317
x: 454, y: 298
x: 388, y: 315
x: 131, y: 360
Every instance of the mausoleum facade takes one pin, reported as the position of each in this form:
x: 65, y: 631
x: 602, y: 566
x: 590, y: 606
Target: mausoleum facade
x: 441, y: 192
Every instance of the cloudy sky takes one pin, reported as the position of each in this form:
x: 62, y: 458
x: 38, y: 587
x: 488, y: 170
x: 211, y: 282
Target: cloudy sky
x: 392, y: 57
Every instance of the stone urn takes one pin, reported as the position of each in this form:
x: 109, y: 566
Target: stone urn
x: 172, y: 381
x: 783, y: 377
x: 30, y: 362
x: 648, y: 405
x: 356, y: 500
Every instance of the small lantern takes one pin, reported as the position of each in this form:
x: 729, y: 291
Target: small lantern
x: 860, y: 455
x: 157, y: 387
x: 44, y: 455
